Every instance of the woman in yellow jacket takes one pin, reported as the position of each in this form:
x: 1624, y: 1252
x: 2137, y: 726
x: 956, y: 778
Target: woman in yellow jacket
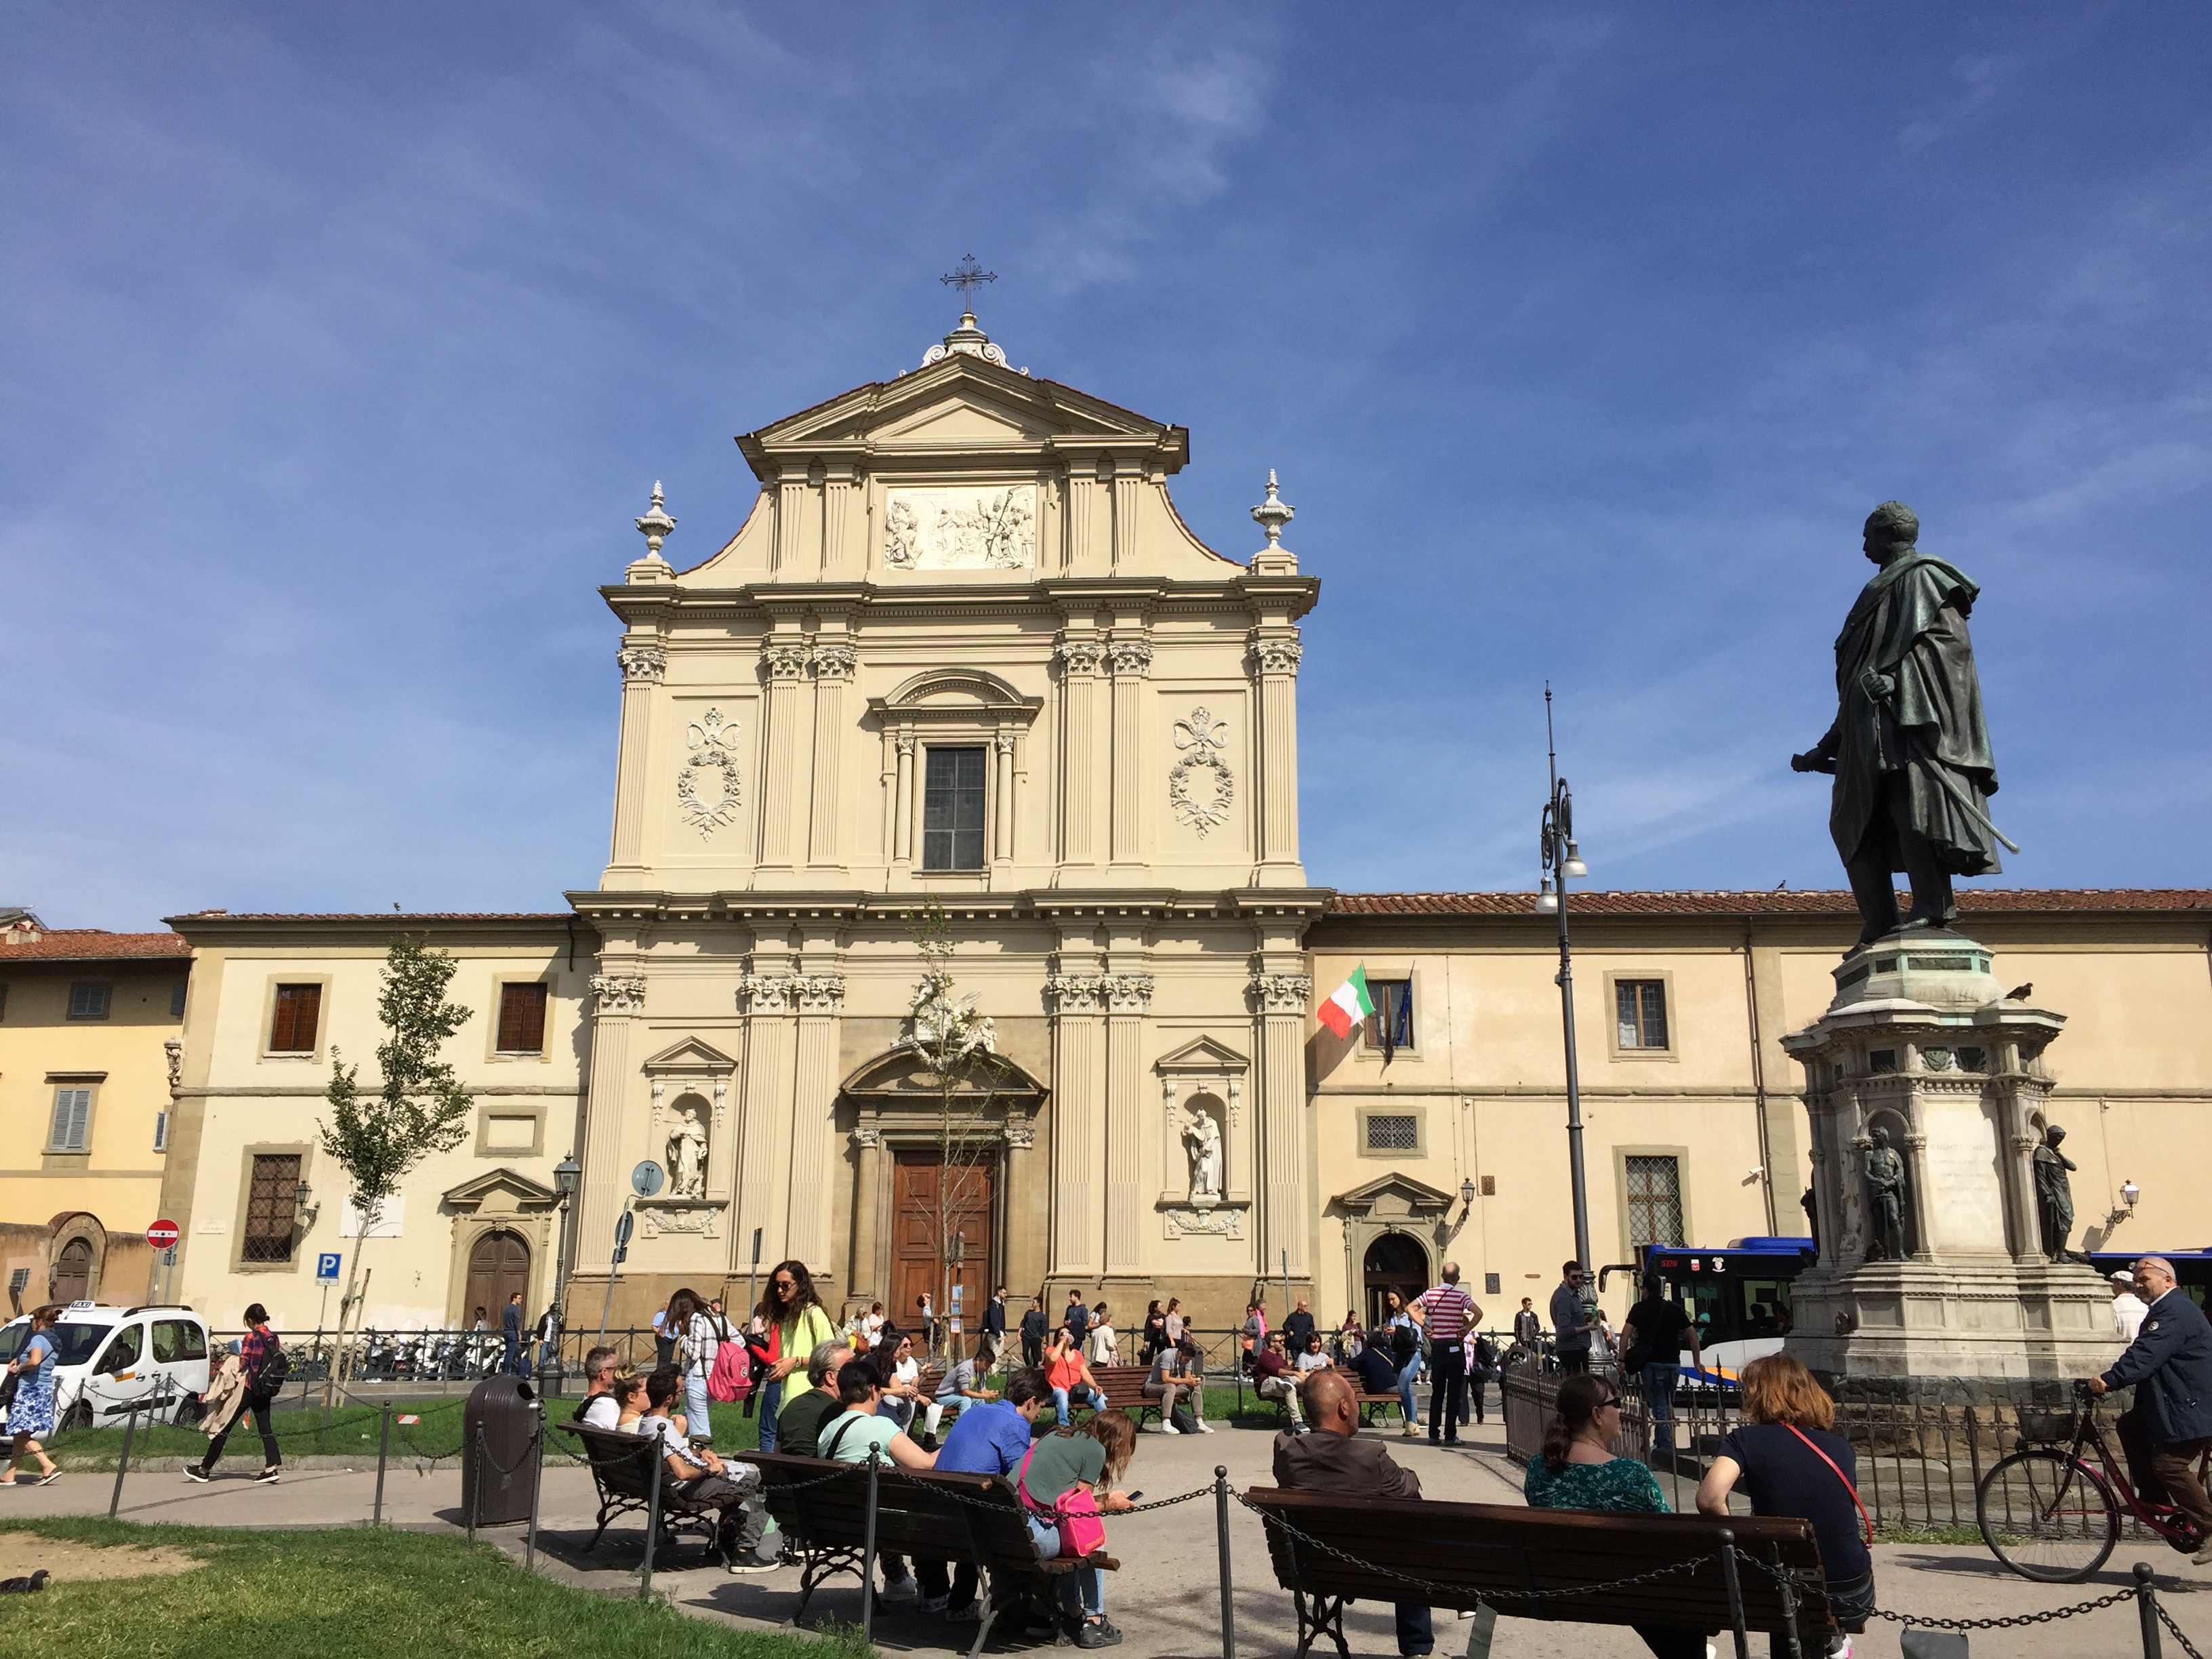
x: 798, y: 1324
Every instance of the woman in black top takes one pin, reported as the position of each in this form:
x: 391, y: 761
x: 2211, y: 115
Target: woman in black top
x: 1791, y: 1461
x: 1154, y: 1336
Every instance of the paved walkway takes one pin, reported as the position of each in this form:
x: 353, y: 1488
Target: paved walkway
x: 1166, y: 1597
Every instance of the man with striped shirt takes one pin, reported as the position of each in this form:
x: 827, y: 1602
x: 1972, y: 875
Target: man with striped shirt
x: 1447, y: 1312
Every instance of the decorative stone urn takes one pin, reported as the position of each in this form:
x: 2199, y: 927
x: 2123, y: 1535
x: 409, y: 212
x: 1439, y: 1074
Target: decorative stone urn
x: 1950, y: 1289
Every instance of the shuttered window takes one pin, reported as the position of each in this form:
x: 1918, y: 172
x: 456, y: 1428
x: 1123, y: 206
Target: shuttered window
x: 521, y: 1019
x: 72, y: 1125
x: 1655, y: 1201
x: 87, y: 1002
x: 272, y: 1207
x: 1390, y: 1027
x: 299, y: 1009
x: 952, y: 810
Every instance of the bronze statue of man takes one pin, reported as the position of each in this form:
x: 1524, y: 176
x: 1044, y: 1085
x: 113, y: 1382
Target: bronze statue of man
x: 2054, y: 1193
x: 1885, y: 1183
x: 1911, y: 755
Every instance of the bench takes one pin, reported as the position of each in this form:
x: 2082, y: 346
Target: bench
x: 1370, y: 1404
x: 621, y: 1470
x: 1475, y: 1553
x: 975, y: 1519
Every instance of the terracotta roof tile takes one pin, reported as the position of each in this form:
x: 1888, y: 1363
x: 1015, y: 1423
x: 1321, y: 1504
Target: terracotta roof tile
x: 92, y: 945
x: 1766, y: 902
x: 396, y: 917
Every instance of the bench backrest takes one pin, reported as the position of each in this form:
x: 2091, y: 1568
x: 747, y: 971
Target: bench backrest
x: 623, y: 1461
x: 950, y: 1518
x: 1477, y: 1548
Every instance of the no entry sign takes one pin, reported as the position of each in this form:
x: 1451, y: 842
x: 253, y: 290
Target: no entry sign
x: 162, y: 1235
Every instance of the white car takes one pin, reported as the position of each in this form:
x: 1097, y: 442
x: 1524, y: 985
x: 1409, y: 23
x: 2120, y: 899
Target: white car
x: 106, y: 1357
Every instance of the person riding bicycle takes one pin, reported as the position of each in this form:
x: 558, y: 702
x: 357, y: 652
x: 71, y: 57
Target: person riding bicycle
x: 2170, y: 1425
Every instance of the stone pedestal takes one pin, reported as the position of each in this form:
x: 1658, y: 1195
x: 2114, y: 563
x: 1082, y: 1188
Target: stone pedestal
x: 1920, y: 1045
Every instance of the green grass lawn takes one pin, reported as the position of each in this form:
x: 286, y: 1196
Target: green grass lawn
x: 350, y: 1430
x: 355, y: 1594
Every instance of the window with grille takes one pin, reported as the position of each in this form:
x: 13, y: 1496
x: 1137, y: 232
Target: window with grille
x: 1388, y: 1133
x: 299, y: 1010
x: 272, y: 1207
x: 952, y: 810
x: 72, y: 1125
x: 1642, y: 1006
x: 1390, y: 1027
x: 521, y: 1019
x: 87, y: 1002
x: 160, y: 1131
x: 1655, y: 1201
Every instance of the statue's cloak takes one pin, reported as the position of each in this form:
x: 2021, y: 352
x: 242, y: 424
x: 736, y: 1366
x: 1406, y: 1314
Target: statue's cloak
x: 1910, y: 622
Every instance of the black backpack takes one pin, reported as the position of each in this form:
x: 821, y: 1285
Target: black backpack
x: 275, y: 1367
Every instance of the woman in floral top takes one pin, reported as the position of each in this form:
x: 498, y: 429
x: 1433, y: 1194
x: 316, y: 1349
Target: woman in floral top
x: 1576, y: 1470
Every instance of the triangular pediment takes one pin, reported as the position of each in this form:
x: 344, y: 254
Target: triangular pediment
x: 1204, y: 1056
x: 518, y: 1191
x: 1395, y: 1194
x: 961, y: 420
x: 691, y: 1055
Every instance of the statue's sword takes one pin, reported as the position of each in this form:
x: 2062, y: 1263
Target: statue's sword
x: 1937, y: 770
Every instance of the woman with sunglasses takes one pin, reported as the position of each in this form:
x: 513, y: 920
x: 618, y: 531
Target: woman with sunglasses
x: 1577, y: 1470
x: 796, y: 1324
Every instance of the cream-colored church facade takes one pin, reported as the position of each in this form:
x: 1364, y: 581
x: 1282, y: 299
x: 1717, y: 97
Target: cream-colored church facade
x: 963, y: 649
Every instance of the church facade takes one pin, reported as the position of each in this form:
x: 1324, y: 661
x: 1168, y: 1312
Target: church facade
x: 965, y: 656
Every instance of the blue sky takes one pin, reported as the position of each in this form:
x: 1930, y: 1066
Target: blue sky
x: 339, y: 345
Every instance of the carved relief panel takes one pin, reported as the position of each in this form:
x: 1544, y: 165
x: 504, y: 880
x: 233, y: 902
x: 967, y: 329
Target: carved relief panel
x: 961, y: 527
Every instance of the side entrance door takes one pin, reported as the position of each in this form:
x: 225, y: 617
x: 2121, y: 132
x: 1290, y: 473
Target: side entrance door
x: 928, y: 1208
x: 499, y: 1266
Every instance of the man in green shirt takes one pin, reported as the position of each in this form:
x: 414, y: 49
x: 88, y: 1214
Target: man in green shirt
x: 802, y: 1419
x: 854, y: 1434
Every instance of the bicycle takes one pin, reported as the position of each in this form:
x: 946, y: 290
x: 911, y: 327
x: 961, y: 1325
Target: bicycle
x: 2053, y: 1516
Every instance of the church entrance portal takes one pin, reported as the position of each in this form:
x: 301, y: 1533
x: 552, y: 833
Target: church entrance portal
x: 499, y: 1266
x: 1395, y: 1262
x: 918, y: 1192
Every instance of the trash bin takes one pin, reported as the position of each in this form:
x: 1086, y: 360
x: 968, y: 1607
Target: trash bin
x: 499, y: 1474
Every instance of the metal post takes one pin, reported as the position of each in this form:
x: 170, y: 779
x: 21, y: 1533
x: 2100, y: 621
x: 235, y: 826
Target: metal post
x: 122, y: 1463
x: 868, y: 1559
x: 1558, y: 833
x: 383, y: 1451
x: 476, y: 1485
x: 1221, y: 1549
x: 651, y: 1521
x: 1734, y: 1593
x: 2147, y: 1610
x: 537, y: 1484
x: 1782, y: 1582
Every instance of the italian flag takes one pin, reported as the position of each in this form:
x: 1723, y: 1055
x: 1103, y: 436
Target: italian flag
x: 1348, y: 1004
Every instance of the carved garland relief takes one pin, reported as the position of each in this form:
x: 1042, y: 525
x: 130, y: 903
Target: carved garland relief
x: 712, y: 741
x: 1200, y: 787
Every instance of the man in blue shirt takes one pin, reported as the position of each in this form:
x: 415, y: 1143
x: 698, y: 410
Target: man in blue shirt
x: 990, y: 1439
x: 1570, y: 1321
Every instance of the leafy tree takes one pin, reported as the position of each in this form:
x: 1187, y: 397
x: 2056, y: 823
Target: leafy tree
x: 959, y: 1050
x: 418, y: 1109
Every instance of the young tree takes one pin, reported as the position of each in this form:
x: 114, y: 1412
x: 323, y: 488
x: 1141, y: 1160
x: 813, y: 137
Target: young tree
x: 418, y: 1109
x: 959, y: 1050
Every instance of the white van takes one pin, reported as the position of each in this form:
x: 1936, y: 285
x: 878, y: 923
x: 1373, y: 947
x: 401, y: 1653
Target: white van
x: 106, y: 1357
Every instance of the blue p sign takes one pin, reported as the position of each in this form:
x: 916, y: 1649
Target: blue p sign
x: 326, y: 1267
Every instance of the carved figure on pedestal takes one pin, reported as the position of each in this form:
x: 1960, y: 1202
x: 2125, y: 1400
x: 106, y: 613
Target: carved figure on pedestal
x: 1884, y: 1184
x: 687, y: 1157
x: 2054, y: 1193
x: 1811, y: 1205
x: 1203, y: 1135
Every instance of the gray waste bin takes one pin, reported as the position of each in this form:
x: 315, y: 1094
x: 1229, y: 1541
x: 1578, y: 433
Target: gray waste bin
x: 499, y: 1474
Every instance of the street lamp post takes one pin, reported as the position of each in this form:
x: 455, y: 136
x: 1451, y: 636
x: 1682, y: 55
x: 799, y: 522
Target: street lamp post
x: 1561, y: 861
x: 566, y: 1176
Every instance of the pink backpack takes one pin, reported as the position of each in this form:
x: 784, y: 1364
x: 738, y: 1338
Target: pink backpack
x: 733, y: 1375
x: 1075, y: 1512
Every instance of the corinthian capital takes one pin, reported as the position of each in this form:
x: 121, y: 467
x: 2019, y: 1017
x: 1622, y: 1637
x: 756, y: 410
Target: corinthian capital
x: 1080, y: 656
x: 1276, y: 655
x: 1131, y: 657
x: 1075, y: 993
x: 786, y: 659
x: 819, y: 994
x: 618, y: 994
x: 834, y: 662
x: 645, y: 663
x: 1128, y: 993
x: 764, y: 994
x: 1281, y: 994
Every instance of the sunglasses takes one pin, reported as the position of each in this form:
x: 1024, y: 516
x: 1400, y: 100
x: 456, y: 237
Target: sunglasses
x: 1612, y: 1405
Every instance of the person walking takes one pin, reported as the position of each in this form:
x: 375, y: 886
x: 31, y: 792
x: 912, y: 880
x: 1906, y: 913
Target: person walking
x: 1791, y: 1461
x: 1570, y: 1321
x: 2128, y: 1309
x: 1331, y: 1457
x: 1105, y: 1341
x: 1402, y: 1332
x: 1447, y: 1312
x: 927, y: 1310
x: 798, y: 1326
x: 510, y: 1326
x: 1033, y: 1333
x: 994, y: 1319
x: 1077, y: 1317
x: 1297, y: 1326
x: 2166, y: 1430
x: 1173, y: 1322
x: 261, y: 1368
x: 1577, y: 1470
x: 1481, y: 1366
x: 699, y: 1338
x: 1651, y: 1358
x: 549, y: 1337
x: 31, y: 1413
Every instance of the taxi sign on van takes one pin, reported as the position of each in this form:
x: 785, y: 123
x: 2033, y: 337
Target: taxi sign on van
x: 87, y: 1303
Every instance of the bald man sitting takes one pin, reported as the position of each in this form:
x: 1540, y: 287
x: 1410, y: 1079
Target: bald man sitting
x: 1331, y: 1457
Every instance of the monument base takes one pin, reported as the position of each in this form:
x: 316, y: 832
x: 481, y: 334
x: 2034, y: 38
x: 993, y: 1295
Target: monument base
x: 1925, y: 1088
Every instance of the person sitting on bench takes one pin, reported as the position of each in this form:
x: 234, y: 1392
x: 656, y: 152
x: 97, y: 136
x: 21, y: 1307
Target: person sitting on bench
x: 1178, y: 1375
x: 1332, y: 1458
x: 1271, y: 1367
x: 700, y: 1476
x: 964, y: 1382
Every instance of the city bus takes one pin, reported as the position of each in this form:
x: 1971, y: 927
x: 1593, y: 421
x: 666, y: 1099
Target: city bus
x: 1738, y: 1296
x: 2192, y: 1269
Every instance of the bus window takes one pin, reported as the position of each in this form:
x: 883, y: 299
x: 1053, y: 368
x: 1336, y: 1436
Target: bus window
x: 1766, y: 1306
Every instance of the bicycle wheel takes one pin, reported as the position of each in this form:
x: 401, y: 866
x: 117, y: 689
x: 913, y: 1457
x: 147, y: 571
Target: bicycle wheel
x: 2047, y: 1516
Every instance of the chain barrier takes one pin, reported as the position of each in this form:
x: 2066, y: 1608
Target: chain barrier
x: 2174, y: 1631
x: 506, y: 1469
x: 1800, y: 1585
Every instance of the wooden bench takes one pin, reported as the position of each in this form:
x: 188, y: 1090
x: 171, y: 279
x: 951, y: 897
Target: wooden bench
x: 975, y: 1519
x: 1368, y: 1403
x: 622, y: 1469
x: 1474, y: 1552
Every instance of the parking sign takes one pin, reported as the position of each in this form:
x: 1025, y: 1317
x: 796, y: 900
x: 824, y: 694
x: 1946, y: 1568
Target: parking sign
x: 326, y: 1267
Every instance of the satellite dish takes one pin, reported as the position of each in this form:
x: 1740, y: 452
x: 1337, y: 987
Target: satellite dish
x: 645, y: 1179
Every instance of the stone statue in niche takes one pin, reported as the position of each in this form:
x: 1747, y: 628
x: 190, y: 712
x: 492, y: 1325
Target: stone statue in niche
x: 1201, y: 1135
x: 687, y: 1157
x: 2054, y: 1193
x: 1810, y: 1204
x: 1884, y: 1184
